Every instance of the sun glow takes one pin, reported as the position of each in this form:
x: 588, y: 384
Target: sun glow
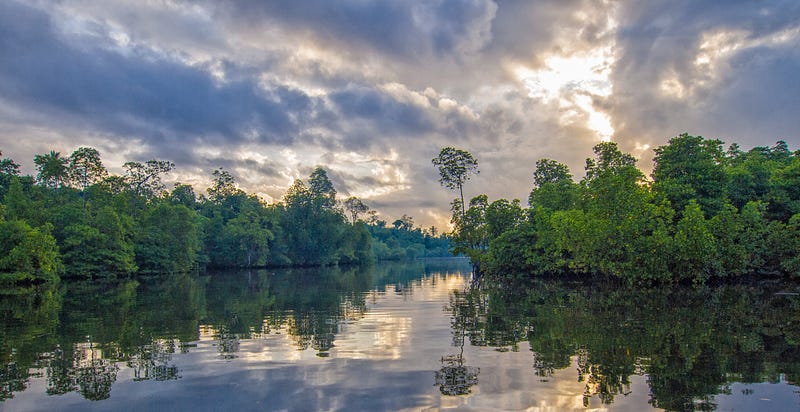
x: 572, y: 83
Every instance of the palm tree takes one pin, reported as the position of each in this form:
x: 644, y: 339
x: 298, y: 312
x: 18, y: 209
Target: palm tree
x: 52, y: 169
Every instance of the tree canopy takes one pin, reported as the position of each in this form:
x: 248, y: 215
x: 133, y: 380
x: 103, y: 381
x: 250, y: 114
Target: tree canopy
x: 75, y: 220
x: 455, y: 168
x: 705, y: 214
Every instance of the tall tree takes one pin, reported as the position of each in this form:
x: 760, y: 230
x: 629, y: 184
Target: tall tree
x: 321, y: 188
x: 85, y: 167
x: 144, y: 179
x: 52, y: 169
x: 553, y: 186
x: 8, y: 169
x: 355, y: 207
x: 608, y: 159
x: 550, y: 171
x: 455, y: 167
x: 248, y: 235
x: 405, y: 223
x: 223, y: 186
x: 183, y: 194
x: 691, y: 167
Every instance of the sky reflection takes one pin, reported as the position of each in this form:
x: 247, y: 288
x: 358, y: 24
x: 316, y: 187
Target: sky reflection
x: 394, y: 346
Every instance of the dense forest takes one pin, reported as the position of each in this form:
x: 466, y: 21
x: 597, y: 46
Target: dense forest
x: 74, y: 219
x: 705, y: 213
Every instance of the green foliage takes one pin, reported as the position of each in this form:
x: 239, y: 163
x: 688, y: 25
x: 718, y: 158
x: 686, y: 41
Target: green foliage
x: 184, y: 195
x: 8, y: 169
x: 168, y: 239
x: 19, y: 204
x: 52, y: 169
x: 695, y: 246
x: 550, y: 171
x: 455, y: 167
x: 144, y: 179
x: 114, y: 226
x: 404, y: 241
x: 355, y: 207
x: 316, y: 228
x: 790, y: 246
x: 102, y: 247
x: 690, y: 167
x: 27, y: 254
x: 85, y: 167
x: 223, y: 186
x: 246, y: 238
x: 706, y: 214
x: 321, y: 189
x: 608, y: 159
x: 784, y: 191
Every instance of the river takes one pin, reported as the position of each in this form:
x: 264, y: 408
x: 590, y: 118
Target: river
x: 396, y: 336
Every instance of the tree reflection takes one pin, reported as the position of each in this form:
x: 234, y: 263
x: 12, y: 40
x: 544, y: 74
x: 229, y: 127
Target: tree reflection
x: 80, y: 334
x: 29, y: 321
x: 454, y: 377
x: 83, y: 369
x: 152, y: 362
x: 12, y: 379
x: 690, y: 343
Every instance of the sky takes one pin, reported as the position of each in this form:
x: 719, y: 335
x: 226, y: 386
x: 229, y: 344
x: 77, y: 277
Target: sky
x: 372, y: 90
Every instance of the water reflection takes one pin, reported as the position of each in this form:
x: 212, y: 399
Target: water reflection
x: 689, y: 344
x: 456, y: 377
x: 342, y: 336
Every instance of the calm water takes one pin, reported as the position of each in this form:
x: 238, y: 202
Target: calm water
x: 411, y: 336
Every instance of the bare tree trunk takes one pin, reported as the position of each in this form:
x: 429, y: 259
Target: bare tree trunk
x: 463, y: 207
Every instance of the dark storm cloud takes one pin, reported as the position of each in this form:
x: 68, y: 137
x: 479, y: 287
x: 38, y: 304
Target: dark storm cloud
x: 746, y: 96
x: 393, y: 27
x: 143, y: 94
x: 388, y: 114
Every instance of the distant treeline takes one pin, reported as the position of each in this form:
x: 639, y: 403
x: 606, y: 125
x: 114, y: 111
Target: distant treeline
x: 74, y: 219
x: 704, y: 213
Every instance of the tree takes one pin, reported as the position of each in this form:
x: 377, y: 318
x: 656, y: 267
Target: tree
x: 321, y: 188
x: 101, y: 247
x: 405, y: 223
x: 553, y: 186
x: 695, y: 246
x: 250, y: 237
x: 355, y: 207
x: 455, y: 167
x: 315, y: 229
x: 8, y: 169
x: 168, y: 240
x: 18, y: 203
x: 144, y: 179
x: 608, y: 159
x: 52, y: 169
x: 184, y: 195
x: 85, y: 167
x: 550, y: 171
x: 691, y: 167
x: 502, y: 216
x: 27, y: 254
x: 470, y: 233
x: 223, y: 186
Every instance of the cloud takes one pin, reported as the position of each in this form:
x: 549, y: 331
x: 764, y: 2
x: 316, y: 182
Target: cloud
x: 142, y: 93
x: 395, y: 28
x: 716, y: 69
x: 372, y: 90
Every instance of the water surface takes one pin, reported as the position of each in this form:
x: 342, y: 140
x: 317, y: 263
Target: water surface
x: 403, y: 336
